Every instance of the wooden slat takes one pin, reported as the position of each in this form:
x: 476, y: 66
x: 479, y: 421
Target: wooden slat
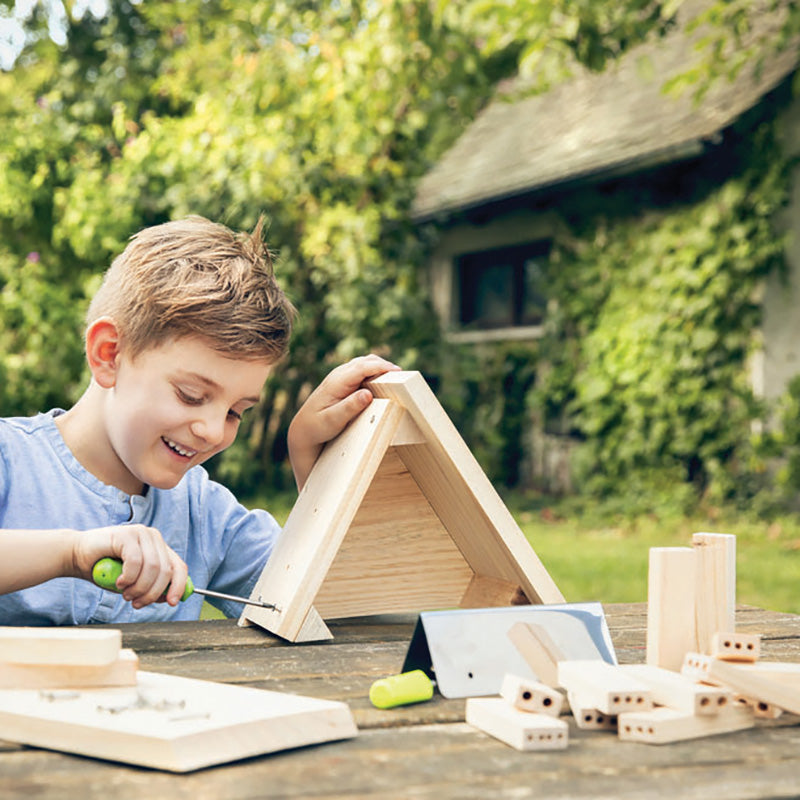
x: 461, y: 494
x: 320, y: 519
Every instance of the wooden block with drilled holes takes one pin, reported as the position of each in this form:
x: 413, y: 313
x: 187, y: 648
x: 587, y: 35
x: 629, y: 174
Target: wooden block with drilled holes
x: 532, y: 696
x: 679, y: 691
x: 588, y: 718
x: 736, y: 646
x: 120, y: 672
x: 742, y: 679
x: 604, y: 686
x: 696, y: 667
x: 664, y: 725
x: 521, y: 730
x: 78, y: 646
x: 760, y: 709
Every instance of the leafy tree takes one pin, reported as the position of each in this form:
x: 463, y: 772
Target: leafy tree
x: 321, y: 114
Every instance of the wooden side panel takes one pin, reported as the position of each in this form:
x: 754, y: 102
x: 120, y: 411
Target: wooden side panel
x: 396, y: 555
x: 671, y: 587
x: 460, y: 493
x: 320, y: 519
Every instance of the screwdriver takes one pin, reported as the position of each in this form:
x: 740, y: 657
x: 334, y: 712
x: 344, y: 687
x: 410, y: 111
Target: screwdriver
x: 106, y: 571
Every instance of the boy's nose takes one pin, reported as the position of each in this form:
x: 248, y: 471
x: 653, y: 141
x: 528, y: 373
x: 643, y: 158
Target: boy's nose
x: 210, y: 428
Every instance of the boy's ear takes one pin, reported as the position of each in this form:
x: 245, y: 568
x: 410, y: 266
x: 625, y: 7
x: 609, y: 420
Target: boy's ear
x: 102, y: 351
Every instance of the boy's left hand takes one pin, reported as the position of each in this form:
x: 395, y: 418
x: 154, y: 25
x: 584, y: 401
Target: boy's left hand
x: 329, y: 408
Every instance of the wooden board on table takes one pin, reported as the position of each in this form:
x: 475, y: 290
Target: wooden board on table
x: 21, y: 645
x: 171, y: 723
x: 120, y: 672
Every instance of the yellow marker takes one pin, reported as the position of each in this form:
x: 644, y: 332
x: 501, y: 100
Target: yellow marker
x: 400, y: 690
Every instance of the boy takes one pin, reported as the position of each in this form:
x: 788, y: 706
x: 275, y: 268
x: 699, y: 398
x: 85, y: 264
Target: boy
x: 180, y: 338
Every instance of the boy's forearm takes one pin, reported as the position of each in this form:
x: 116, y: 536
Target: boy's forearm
x: 30, y: 557
x: 302, y: 457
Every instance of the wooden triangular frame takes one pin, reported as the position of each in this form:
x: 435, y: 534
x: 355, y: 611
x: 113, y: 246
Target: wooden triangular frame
x: 396, y: 516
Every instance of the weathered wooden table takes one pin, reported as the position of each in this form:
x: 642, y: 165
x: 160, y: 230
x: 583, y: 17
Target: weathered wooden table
x: 420, y: 751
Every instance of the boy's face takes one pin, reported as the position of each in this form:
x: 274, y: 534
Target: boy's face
x: 175, y: 406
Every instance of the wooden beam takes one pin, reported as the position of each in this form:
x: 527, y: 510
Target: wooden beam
x: 671, y: 587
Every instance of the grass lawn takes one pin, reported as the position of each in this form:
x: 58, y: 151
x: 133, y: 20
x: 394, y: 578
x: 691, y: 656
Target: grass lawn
x: 591, y: 558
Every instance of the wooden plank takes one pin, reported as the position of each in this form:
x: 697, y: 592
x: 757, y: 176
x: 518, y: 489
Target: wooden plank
x: 531, y: 696
x: 171, y: 723
x: 521, y: 730
x: 752, y: 685
x: 75, y: 646
x: 671, y: 588
x: 461, y: 494
x: 663, y: 725
x: 715, y: 594
x: 120, y: 672
x: 680, y: 692
x: 396, y: 555
x: 319, y: 521
x: 604, y: 686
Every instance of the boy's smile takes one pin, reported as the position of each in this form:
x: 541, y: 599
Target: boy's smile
x: 168, y: 409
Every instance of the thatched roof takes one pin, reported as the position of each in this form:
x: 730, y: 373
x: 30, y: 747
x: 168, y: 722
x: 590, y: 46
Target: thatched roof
x: 596, y: 124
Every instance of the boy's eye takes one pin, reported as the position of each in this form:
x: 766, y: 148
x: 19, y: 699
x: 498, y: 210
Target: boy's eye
x: 234, y: 414
x: 188, y: 398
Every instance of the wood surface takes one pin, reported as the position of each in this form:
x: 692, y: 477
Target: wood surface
x: 425, y: 751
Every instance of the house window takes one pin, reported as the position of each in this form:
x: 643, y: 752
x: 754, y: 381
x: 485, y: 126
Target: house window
x: 503, y: 288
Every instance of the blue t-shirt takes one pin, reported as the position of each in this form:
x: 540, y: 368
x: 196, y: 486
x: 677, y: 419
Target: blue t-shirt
x: 43, y: 486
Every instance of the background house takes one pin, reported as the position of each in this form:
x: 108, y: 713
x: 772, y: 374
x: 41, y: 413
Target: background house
x: 499, y: 196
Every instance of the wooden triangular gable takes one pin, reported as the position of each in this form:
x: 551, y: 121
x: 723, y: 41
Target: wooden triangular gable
x: 396, y: 516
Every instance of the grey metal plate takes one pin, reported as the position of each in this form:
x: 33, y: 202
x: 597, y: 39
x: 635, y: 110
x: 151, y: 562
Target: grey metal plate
x: 468, y: 652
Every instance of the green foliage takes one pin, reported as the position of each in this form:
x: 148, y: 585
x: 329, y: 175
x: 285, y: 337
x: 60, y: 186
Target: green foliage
x: 324, y: 115
x: 657, y: 315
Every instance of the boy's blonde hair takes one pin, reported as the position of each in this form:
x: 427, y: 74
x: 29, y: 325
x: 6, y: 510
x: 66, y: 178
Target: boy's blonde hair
x: 193, y: 277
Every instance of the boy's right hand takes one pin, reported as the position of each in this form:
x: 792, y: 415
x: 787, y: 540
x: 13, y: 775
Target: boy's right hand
x: 149, y: 566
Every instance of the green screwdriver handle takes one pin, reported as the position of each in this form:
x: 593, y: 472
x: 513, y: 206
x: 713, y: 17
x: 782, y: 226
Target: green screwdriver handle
x: 106, y: 571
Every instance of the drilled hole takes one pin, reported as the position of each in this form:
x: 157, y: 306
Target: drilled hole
x: 547, y: 702
x: 526, y: 695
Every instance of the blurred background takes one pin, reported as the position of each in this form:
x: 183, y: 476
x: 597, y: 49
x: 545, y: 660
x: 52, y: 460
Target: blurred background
x: 579, y: 219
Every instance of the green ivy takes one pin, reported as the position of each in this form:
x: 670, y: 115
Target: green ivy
x: 657, y: 313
